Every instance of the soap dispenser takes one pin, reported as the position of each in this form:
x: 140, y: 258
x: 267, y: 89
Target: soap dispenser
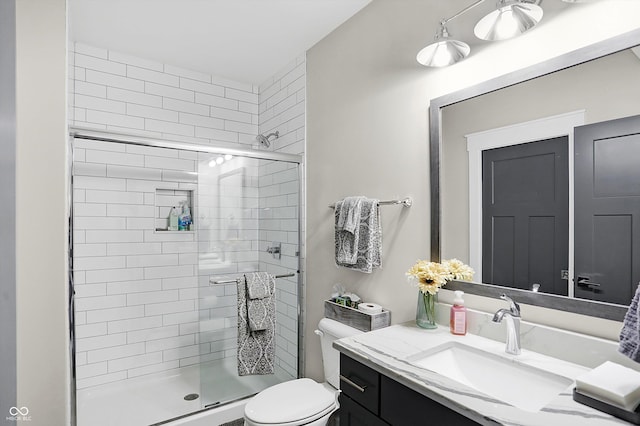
x: 458, y: 318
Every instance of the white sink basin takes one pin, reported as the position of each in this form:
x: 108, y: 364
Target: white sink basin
x: 502, y: 378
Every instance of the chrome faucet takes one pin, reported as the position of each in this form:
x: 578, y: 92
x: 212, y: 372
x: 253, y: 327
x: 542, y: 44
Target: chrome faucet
x: 513, y: 324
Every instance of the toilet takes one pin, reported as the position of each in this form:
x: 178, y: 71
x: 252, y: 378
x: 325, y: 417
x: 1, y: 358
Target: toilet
x: 303, y: 401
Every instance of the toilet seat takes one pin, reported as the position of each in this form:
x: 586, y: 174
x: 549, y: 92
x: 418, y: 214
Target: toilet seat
x: 292, y: 403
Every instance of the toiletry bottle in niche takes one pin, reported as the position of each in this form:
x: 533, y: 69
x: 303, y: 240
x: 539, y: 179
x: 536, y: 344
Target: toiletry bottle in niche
x: 173, y: 219
x: 458, y: 318
x: 181, y: 218
x: 188, y: 217
x: 184, y: 220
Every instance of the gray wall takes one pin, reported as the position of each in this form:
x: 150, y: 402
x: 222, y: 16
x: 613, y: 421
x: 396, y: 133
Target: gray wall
x: 42, y: 330
x: 367, y: 133
x: 7, y: 199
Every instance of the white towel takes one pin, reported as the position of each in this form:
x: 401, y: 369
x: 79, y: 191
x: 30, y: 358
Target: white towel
x: 368, y: 254
x: 612, y: 383
x: 630, y: 333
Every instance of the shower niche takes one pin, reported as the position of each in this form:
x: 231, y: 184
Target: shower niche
x: 168, y: 199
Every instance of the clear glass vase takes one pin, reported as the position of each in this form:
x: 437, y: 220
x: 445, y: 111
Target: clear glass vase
x: 426, y: 310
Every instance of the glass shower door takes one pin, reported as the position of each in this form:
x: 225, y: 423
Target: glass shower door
x: 248, y: 221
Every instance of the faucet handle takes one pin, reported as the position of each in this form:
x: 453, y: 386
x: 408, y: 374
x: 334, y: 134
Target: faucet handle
x: 513, y: 306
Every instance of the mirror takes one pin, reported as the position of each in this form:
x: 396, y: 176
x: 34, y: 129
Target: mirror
x: 522, y: 97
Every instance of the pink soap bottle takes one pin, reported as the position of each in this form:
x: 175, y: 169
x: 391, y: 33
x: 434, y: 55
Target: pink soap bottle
x: 458, y: 318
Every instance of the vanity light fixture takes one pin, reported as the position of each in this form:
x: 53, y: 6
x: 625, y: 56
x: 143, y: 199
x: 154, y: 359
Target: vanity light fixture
x: 445, y: 51
x: 511, y: 18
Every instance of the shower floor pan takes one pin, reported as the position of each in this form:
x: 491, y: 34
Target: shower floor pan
x: 155, y: 398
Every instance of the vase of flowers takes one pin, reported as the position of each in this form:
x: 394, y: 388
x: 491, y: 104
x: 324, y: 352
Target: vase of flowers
x: 429, y: 278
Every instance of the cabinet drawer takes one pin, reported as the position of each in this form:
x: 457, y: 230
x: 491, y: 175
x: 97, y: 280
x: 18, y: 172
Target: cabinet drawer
x: 353, y: 414
x: 403, y: 406
x: 360, y: 383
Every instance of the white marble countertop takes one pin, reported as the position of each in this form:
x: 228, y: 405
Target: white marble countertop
x: 386, y: 351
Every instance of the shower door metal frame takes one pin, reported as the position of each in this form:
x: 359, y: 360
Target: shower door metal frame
x: 91, y: 134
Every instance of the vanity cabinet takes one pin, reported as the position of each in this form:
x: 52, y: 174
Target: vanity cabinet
x: 369, y: 398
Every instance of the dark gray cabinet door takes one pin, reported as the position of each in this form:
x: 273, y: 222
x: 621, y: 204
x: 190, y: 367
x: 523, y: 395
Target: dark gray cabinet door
x: 607, y: 210
x: 525, y: 215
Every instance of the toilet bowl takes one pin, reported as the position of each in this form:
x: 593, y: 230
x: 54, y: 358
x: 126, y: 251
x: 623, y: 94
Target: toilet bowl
x: 303, y: 401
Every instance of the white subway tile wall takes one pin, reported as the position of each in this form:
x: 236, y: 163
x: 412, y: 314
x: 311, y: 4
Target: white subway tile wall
x: 119, y: 92
x: 281, y: 107
x: 144, y: 304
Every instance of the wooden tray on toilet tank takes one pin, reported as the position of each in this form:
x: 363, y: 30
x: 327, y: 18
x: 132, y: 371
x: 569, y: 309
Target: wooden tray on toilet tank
x: 355, y: 318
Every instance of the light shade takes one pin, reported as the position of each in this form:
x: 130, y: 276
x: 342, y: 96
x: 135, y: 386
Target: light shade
x: 444, y: 51
x: 510, y: 19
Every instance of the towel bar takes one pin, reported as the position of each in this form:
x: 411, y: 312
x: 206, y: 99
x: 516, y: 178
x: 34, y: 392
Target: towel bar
x: 406, y: 202
x: 211, y: 281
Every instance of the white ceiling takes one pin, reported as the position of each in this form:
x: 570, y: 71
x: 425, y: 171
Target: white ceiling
x: 243, y: 40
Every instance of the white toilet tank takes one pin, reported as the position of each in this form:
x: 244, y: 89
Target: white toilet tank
x: 331, y: 330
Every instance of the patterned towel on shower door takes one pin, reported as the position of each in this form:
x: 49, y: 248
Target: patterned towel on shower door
x: 256, y: 349
x: 261, y: 307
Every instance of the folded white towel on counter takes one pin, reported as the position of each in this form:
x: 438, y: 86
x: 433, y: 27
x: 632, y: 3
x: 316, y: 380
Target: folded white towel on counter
x: 612, y: 383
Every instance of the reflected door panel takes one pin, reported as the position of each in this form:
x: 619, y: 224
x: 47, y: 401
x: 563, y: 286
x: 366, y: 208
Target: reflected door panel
x: 525, y: 215
x: 607, y: 210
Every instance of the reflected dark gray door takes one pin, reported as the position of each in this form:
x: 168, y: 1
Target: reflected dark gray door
x: 607, y: 210
x: 525, y: 215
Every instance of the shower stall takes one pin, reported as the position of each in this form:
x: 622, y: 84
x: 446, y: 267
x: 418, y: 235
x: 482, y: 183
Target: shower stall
x: 155, y: 326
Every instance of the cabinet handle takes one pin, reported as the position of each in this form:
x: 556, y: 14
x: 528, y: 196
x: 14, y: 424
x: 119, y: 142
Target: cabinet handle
x: 351, y: 383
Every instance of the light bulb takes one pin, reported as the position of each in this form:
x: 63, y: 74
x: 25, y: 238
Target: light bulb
x: 442, y: 56
x: 228, y: 157
x: 219, y: 160
x: 506, y: 25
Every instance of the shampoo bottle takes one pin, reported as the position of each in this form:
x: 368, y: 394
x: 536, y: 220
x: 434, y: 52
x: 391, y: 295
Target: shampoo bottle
x: 173, y: 219
x: 458, y: 318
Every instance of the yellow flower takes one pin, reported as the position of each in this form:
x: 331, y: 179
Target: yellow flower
x: 430, y: 276
x: 459, y: 270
